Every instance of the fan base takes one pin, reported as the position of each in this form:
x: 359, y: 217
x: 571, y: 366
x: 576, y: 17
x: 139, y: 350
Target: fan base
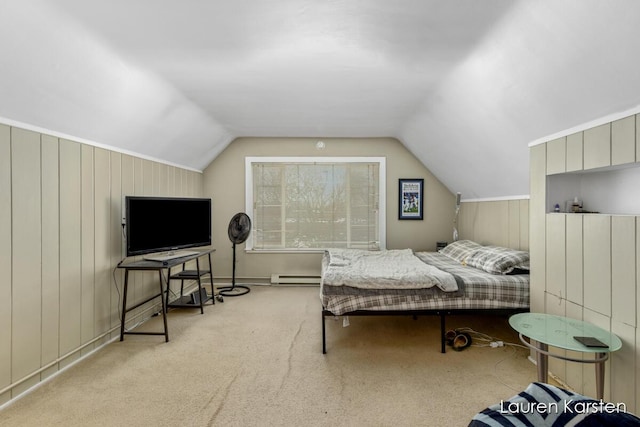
x: 233, y: 291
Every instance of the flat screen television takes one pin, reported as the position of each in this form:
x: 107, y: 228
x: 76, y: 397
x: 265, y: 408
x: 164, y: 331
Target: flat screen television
x: 166, y: 224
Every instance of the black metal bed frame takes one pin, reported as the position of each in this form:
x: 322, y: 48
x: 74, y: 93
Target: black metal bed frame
x: 428, y: 312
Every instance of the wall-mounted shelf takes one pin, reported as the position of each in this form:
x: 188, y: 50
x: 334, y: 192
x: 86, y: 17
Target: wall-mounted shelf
x: 608, y: 190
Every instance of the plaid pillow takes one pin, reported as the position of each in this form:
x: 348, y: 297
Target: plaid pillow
x: 460, y: 249
x: 497, y: 260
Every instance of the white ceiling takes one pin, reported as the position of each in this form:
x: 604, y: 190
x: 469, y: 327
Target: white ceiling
x: 464, y: 84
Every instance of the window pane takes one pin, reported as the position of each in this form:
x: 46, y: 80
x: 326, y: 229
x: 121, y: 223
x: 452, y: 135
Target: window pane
x: 315, y: 205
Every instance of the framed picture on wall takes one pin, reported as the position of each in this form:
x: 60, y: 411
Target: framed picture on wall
x: 410, y: 198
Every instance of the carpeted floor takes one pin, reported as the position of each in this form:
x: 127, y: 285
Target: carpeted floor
x: 256, y: 360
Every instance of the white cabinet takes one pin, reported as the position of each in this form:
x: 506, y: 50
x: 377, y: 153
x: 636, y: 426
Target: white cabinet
x: 574, y: 258
x: 597, y: 263
x: 597, y: 147
x: 623, y: 141
x: 556, y: 273
x: 623, y: 269
x: 556, y: 156
x: 574, y: 152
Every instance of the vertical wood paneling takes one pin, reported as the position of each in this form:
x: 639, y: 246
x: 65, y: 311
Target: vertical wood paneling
x: 556, y: 255
x: 26, y: 256
x: 638, y: 139
x: 597, y: 263
x: 513, y: 236
x: 137, y: 278
x: 602, y: 262
x: 60, y: 229
x: 50, y: 253
x: 163, y: 179
x: 70, y: 247
x: 149, y: 281
x: 171, y: 180
x: 128, y: 186
x: 115, y: 238
x: 178, y: 182
x: 101, y: 315
x: 588, y: 369
x: 597, y: 146
x: 524, y: 225
x: 466, y: 220
x: 575, y: 152
x: 557, y: 306
x: 538, y: 184
x: 556, y: 156
x: 574, y: 259
x: 573, y: 371
x: 493, y: 216
x: 87, y: 237
x: 622, y: 363
x: 623, y: 269
x: 623, y: 141
x: 5, y: 261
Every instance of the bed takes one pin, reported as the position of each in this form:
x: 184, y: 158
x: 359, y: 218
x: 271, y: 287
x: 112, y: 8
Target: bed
x: 462, y: 278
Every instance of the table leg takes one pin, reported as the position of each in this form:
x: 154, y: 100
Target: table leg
x: 542, y: 361
x: 164, y: 306
x: 600, y: 376
x: 124, y: 303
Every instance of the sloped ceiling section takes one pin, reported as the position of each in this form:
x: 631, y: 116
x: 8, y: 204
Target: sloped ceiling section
x: 464, y: 84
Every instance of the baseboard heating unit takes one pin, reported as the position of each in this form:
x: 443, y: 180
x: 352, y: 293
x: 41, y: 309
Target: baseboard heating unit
x: 294, y: 279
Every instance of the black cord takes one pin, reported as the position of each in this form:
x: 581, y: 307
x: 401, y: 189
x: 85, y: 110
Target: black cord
x: 115, y: 284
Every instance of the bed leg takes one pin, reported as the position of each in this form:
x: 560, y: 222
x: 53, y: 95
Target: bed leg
x: 442, y: 334
x: 324, y: 339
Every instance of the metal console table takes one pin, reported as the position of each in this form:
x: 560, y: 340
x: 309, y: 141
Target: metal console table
x: 159, y: 266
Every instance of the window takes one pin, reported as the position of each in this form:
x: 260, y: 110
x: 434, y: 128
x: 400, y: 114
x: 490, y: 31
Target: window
x: 313, y: 203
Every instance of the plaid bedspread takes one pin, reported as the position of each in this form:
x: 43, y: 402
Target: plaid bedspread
x: 477, y: 290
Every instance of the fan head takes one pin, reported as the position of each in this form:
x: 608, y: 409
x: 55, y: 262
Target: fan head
x: 239, y: 227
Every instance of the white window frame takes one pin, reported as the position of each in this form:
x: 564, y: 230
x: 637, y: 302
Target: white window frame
x: 382, y: 192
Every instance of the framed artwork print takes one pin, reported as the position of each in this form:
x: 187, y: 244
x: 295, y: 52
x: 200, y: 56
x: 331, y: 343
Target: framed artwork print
x: 410, y: 198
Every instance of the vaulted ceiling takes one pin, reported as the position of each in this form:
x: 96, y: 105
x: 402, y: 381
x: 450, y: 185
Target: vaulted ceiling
x: 464, y: 84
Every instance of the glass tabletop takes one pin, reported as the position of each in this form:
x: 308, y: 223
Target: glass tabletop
x: 559, y: 331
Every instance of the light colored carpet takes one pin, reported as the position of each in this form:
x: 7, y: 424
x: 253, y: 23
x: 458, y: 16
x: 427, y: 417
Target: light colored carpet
x: 256, y: 360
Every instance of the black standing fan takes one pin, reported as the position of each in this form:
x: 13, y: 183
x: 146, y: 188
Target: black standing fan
x: 239, y: 229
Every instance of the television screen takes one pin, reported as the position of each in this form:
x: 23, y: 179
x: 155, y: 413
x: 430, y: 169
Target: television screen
x: 158, y: 224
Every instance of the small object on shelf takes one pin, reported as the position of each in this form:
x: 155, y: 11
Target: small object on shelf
x: 574, y: 206
x: 556, y: 208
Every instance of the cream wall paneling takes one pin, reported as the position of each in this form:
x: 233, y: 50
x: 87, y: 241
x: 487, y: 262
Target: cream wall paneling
x: 597, y: 263
x: 537, y: 226
x: 60, y: 238
x: 503, y: 223
x: 623, y: 362
x: 70, y: 247
x: 609, y: 150
x: 574, y: 260
x: 87, y: 242
x: 574, y: 155
x: 556, y: 156
x: 601, y: 253
x: 556, y: 255
x: 574, y: 372
x: 26, y: 334
x: 623, y: 141
x: 5, y: 261
x: 50, y: 252
x: 597, y: 147
x: 623, y: 269
x: 637, y: 137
